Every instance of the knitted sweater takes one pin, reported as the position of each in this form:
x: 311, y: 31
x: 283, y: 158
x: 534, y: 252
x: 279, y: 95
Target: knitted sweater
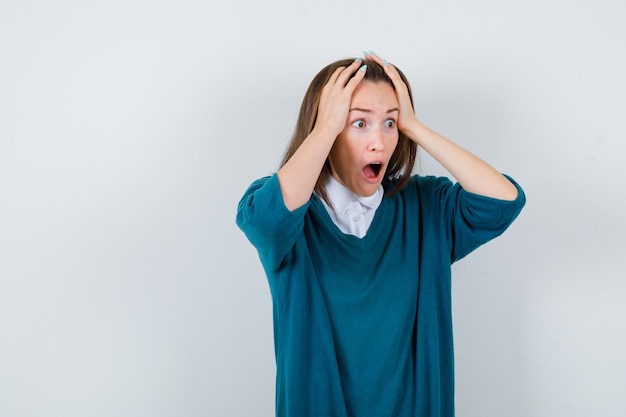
x: 363, y: 326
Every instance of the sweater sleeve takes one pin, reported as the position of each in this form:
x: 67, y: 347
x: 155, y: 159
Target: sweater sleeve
x: 472, y: 220
x: 267, y: 223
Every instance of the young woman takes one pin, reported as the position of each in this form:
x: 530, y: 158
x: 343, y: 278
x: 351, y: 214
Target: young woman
x: 358, y: 250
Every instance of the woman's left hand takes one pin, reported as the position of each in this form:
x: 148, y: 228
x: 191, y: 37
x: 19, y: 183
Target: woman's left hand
x: 474, y: 174
x: 407, y: 117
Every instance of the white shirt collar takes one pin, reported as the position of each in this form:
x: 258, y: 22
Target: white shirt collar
x: 340, y: 196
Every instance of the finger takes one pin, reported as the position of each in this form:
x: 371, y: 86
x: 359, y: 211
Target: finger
x: 371, y: 56
x: 335, y: 75
x: 391, y: 72
x: 358, y: 76
x: 380, y: 61
x: 389, y: 69
x: 349, y: 71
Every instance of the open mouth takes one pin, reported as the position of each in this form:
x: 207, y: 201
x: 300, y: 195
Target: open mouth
x: 372, y: 170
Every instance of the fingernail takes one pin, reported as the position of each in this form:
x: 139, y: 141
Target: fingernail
x: 358, y: 60
x: 363, y: 68
x: 366, y: 53
x: 372, y: 53
x: 385, y: 62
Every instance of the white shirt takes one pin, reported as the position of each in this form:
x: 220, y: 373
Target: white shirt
x: 352, y: 213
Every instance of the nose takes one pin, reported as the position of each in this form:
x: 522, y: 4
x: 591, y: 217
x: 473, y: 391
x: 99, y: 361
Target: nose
x: 376, y: 141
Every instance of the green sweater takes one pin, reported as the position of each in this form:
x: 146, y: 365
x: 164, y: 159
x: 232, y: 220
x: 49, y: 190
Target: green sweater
x: 363, y: 326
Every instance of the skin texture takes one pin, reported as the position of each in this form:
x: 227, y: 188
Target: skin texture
x: 298, y: 176
x: 370, y: 136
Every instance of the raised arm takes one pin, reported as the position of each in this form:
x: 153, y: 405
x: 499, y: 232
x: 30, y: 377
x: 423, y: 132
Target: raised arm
x: 298, y: 176
x: 474, y: 174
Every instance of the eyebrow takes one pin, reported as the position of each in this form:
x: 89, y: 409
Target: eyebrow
x: 369, y: 111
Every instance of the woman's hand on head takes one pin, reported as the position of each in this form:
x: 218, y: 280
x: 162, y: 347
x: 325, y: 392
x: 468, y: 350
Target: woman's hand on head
x: 407, y: 117
x: 298, y: 176
x: 336, y: 95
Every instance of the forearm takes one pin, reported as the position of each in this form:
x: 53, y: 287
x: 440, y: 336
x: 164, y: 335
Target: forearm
x: 474, y: 174
x: 299, y: 175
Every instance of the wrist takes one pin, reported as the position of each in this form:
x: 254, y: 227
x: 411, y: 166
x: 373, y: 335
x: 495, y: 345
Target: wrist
x: 413, y: 130
x: 325, y: 132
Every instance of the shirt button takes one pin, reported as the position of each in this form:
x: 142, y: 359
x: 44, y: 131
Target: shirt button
x: 356, y: 218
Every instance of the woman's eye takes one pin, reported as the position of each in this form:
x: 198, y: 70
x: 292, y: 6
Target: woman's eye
x: 390, y: 123
x: 359, y: 124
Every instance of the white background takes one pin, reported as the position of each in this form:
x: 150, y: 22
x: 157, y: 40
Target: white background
x: 130, y: 129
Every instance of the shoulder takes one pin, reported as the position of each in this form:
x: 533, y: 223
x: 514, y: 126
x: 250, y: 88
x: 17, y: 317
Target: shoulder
x: 422, y: 185
x: 258, y: 183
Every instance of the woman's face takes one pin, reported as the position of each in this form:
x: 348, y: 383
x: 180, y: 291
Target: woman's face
x: 361, y: 152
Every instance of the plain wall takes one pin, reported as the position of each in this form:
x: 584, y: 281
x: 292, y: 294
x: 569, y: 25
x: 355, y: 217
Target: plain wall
x: 130, y: 129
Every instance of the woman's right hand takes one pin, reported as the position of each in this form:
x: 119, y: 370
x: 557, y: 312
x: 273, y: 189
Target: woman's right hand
x: 298, y: 176
x: 336, y: 95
